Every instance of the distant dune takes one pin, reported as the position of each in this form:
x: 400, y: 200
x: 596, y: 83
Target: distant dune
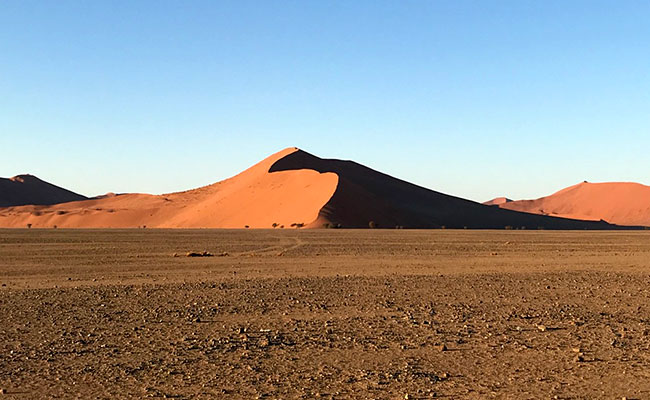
x: 621, y: 203
x: 28, y: 189
x: 497, y: 201
x: 289, y: 189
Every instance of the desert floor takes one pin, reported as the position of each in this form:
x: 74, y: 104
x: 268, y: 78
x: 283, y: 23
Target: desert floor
x: 335, y: 314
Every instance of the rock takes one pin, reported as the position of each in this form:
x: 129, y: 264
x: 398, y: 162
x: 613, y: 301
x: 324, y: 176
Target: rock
x: 3, y: 391
x: 579, y: 358
x: 195, y: 254
x: 441, y: 347
x: 542, y: 328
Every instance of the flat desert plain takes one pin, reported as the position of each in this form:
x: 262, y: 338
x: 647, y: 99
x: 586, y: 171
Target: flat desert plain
x: 334, y: 314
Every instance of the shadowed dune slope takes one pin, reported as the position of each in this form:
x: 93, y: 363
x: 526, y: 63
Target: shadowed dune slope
x: 365, y: 195
x: 28, y: 189
x: 620, y: 203
x: 254, y: 198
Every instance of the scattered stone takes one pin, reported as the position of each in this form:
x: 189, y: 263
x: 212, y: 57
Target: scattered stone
x: 175, y: 255
x: 195, y: 254
x: 3, y: 391
x: 441, y: 347
x: 579, y: 358
x: 542, y: 328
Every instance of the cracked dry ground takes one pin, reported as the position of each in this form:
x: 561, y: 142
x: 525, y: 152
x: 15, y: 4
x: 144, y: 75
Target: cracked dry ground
x: 324, y: 314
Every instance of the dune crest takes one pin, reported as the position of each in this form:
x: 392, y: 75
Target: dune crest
x: 621, y: 203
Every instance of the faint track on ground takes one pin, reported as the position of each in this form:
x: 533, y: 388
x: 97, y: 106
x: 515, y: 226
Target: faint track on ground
x: 280, y: 248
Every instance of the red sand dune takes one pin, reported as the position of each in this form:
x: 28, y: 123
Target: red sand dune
x: 28, y: 189
x: 254, y: 197
x: 288, y: 188
x: 620, y: 203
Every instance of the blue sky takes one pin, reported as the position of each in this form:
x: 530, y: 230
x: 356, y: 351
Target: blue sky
x: 473, y: 98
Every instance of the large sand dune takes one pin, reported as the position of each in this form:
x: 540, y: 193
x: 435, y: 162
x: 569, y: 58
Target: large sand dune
x: 620, y: 203
x: 28, y: 189
x: 365, y: 195
x: 254, y: 198
x: 288, y: 189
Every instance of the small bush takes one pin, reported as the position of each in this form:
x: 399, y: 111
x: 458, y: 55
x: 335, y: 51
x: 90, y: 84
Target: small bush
x: 274, y: 225
x: 29, y: 226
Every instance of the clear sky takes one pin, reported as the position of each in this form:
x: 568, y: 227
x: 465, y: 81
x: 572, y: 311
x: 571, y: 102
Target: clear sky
x: 472, y: 98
